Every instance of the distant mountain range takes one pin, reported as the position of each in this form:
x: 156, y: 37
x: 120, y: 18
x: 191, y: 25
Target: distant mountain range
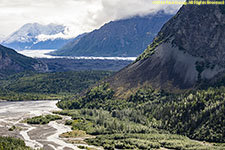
x: 13, y: 62
x: 68, y: 45
x: 126, y: 37
x: 37, y: 36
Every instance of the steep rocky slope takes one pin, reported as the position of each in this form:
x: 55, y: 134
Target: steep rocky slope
x: 13, y: 62
x: 188, y: 50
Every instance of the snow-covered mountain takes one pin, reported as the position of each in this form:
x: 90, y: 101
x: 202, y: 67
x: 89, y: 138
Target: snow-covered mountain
x: 37, y: 36
x: 1, y: 37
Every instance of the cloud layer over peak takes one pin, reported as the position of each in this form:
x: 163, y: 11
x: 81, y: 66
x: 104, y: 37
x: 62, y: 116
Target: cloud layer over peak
x: 79, y: 15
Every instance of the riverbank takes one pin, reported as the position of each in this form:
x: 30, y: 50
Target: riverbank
x: 46, y: 136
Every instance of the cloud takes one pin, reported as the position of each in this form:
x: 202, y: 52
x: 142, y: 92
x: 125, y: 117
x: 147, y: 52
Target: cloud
x: 78, y: 15
x: 118, y: 9
x: 66, y: 34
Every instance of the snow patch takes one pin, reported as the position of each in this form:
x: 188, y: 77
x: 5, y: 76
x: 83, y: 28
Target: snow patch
x: 34, y: 32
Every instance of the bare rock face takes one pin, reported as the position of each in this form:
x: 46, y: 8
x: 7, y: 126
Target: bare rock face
x: 13, y: 62
x: 189, y: 49
x: 199, y: 30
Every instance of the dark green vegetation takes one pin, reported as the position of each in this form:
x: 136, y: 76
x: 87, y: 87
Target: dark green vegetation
x: 12, y: 128
x: 150, y: 141
x: 9, y: 143
x: 150, y: 50
x: 39, y: 86
x: 198, y: 115
x: 43, y: 119
x: 126, y: 37
x: 95, y: 98
x: 83, y: 147
x: 53, y: 83
x: 118, y: 129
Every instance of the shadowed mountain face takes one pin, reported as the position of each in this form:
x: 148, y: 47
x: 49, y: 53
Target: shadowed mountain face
x: 13, y: 62
x: 188, y: 50
x: 127, y: 37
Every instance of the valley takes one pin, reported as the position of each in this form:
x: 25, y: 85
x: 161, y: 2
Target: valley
x: 112, y: 75
x: 70, y: 63
x: 48, y: 136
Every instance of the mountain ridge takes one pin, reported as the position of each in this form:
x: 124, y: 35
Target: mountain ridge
x: 37, y: 36
x: 185, y: 53
x: 126, y: 37
x: 13, y: 62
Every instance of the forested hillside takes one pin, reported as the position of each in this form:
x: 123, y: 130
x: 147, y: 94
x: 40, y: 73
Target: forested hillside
x: 198, y: 114
x: 175, y: 87
x: 34, y: 86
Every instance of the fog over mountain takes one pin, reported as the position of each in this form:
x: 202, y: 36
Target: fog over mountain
x: 37, y: 36
x: 121, y: 38
x: 80, y: 15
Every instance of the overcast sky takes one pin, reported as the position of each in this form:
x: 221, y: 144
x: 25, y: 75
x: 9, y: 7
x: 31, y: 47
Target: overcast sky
x: 80, y: 15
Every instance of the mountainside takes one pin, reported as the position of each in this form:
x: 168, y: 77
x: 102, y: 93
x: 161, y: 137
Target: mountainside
x: 69, y: 45
x: 127, y: 37
x: 13, y: 62
x: 176, y: 85
x: 1, y: 38
x: 187, y: 51
x: 37, y: 36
